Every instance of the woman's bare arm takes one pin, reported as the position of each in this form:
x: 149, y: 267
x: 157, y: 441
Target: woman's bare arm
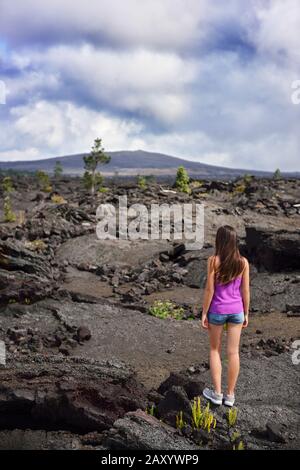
x: 208, y: 291
x: 245, y: 290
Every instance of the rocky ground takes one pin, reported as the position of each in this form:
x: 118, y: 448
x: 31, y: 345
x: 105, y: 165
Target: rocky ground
x: 88, y: 366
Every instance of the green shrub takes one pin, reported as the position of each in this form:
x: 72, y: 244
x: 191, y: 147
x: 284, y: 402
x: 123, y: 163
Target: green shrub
x: 196, y: 184
x: 240, y: 446
x: 9, y: 215
x: 57, y: 199
x: 44, y: 182
x: 58, y: 169
x: 141, y: 182
x: 7, y: 184
x: 166, y: 309
x: 202, y: 418
x: 232, y: 416
x: 247, y: 178
x: 182, y: 180
x: 180, y: 423
x: 93, y: 182
x: 92, y: 178
x: 240, y: 188
x: 151, y: 410
x: 277, y: 174
x: 103, y: 189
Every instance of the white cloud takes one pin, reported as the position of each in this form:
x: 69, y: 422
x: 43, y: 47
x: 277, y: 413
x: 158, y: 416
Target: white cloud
x: 147, y: 82
x: 194, y: 78
x: 278, y: 28
x: 152, y: 23
x: 30, y: 153
x: 51, y: 129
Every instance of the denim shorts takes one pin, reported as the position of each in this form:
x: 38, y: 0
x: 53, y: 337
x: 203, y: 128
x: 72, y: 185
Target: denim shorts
x: 222, y: 318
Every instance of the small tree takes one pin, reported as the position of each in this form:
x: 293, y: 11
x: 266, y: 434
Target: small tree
x: 9, y: 215
x: 247, y: 178
x: 91, y: 161
x: 87, y: 180
x: 44, y: 181
x: 58, y: 169
x: 7, y: 185
x: 141, y: 181
x: 182, y: 180
x: 277, y: 174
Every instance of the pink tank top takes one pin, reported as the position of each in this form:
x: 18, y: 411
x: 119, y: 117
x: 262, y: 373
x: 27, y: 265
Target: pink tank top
x: 227, y: 298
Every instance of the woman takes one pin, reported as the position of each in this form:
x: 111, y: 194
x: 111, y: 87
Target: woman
x: 226, y: 301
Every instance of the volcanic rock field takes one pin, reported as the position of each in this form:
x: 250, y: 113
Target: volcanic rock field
x: 87, y: 364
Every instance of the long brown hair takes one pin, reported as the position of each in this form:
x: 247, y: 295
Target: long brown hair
x: 231, y: 262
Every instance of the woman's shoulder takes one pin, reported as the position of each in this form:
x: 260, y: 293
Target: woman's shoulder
x: 245, y: 263
x: 213, y: 261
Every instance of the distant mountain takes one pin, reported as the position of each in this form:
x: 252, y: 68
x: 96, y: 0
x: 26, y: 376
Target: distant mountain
x: 130, y: 163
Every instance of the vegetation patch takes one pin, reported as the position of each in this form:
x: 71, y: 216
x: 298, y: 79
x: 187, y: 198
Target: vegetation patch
x: 166, y: 309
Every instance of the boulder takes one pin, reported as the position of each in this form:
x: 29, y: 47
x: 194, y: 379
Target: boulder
x: 67, y: 393
x: 273, y: 250
x: 275, y: 432
x: 25, y: 276
x: 83, y: 333
x: 138, y: 430
x: 191, y: 382
x: 174, y: 401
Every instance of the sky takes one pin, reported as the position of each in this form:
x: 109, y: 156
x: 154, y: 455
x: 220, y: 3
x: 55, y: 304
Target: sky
x: 209, y: 81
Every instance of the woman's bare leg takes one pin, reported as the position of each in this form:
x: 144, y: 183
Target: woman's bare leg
x: 215, y: 338
x: 233, y: 343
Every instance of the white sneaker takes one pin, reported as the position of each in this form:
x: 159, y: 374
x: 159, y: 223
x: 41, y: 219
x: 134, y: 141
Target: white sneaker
x: 229, y: 400
x: 216, y: 398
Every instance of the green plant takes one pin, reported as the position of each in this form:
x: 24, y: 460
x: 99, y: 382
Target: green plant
x: 240, y: 188
x: 180, y: 423
x: 88, y: 181
x: 151, y: 410
x: 196, y: 184
x: 239, y: 446
x: 102, y: 189
x: 277, y: 174
x: 165, y: 309
x: 237, y: 442
x: 44, y: 181
x: 232, y: 416
x: 7, y: 184
x: 202, y: 418
x: 141, y: 182
x: 9, y: 215
x: 92, y: 178
x: 182, y: 180
x: 58, y: 169
x: 57, y: 199
x: 247, y: 178
x: 235, y: 436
